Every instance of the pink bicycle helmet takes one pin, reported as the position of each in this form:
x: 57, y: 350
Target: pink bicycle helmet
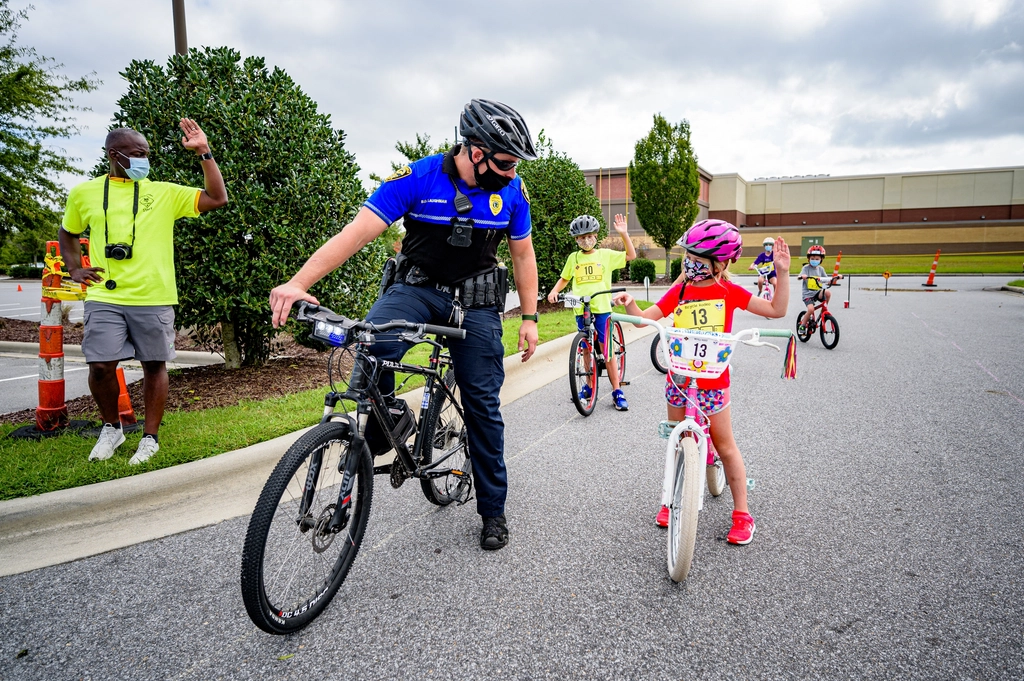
x: 715, y: 239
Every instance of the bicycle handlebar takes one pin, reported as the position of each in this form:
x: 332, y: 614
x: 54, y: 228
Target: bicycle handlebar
x: 333, y: 328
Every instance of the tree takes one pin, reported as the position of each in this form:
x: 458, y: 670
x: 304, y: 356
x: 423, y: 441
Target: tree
x: 291, y: 183
x: 664, y: 182
x: 35, y: 107
x: 558, y: 193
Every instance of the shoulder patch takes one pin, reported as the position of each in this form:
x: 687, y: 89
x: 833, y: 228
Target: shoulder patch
x: 523, y: 185
x: 404, y: 171
x: 495, y: 204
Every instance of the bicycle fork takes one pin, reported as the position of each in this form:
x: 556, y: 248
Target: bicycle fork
x: 682, y: 429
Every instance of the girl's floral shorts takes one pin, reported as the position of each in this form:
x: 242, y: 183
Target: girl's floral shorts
x: 709, y: 401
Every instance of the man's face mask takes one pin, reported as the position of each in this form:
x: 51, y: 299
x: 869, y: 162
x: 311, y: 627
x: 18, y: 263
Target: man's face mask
x: 814, y: 262
x: 138, y: 168
x: 587, y: 241
x: 696, y: 270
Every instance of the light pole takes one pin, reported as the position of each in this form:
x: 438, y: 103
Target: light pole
x: 180, y: 40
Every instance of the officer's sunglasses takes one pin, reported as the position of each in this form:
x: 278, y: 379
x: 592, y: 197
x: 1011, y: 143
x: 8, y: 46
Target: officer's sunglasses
x: 498, y: 163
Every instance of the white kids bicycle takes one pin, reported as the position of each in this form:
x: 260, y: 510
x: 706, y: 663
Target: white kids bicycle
x: 689, y: 462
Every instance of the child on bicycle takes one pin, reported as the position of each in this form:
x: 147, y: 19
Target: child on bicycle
x: 706, y: 300
x: 589, y: 270
x: 762, y: 261
x: 812, y: 293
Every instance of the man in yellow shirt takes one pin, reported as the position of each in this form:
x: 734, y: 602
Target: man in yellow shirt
x: 132, y: 243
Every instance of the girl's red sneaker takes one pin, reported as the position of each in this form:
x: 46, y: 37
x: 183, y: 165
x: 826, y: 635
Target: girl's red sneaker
x: 662, y: 519
x: 742, y: 528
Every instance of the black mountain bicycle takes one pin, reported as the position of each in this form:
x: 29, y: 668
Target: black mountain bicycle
x: 311, y: 516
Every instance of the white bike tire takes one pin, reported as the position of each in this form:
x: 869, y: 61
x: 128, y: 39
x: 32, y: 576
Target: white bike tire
x: 682, y: 517
x: 716, y: 478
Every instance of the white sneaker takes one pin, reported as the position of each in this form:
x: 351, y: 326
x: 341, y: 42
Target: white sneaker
x: 147, y: 448
x: 109, y: 440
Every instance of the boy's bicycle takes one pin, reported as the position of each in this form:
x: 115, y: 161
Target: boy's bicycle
x: 822, y: 320
x: 310, y: 518
x: 587, y: 360
x: 766, y: 270
x: 689, y: 463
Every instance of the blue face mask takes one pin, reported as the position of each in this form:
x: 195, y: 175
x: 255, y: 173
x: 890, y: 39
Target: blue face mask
x: 138, y: 168
x: 696, y: 271
x: 814, y: 262
x: 767, y: 249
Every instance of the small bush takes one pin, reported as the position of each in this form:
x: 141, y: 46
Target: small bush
x: 3, y: 270
x: 640, y: 268
x: 676, y: 268
x: 615, y: 276
x: 26, y: 272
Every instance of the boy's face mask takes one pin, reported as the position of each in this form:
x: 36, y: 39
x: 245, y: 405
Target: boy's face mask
x: 814, y: 262
x: 587, y: 241
x: 768, y: 249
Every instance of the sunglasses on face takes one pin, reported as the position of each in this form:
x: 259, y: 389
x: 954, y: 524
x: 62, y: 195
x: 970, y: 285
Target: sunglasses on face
x: 498, y: 163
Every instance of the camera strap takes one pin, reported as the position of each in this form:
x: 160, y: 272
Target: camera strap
x: 106, y: 201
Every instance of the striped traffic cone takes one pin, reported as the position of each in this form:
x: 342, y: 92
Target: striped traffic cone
x: 51, y: 413
x: 931, y: 275
x: 124, y: 401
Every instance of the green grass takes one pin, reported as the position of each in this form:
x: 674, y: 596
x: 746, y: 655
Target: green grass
x: 1017, y: 282
x: 29, y: 467
x: 949, y: 263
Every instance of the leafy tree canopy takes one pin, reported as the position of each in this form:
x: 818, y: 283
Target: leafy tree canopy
x: 291, y: 182
x: 664, y: 182
x: 36, y: 104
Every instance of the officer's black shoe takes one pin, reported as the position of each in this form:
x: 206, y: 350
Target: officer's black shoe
x: 494, y: 534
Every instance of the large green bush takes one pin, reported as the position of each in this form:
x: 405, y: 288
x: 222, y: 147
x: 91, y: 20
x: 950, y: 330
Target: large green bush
x: 291, y: 182
x: 640, y: 268
x: 26, y: 272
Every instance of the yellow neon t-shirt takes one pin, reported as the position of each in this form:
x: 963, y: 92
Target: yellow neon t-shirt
x: 592, y: 272
x: 147, y: 278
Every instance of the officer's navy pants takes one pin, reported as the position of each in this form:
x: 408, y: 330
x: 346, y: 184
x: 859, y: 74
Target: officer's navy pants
x: 479, y: 370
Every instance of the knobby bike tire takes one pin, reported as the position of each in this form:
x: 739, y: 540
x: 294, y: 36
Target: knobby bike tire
x: 804, y: 335
x: 658, y: 358
x: 682, y: 516
x: 829, y: 331
x: 618, y: 349
x: 446, y: 433
x: 290, y: 569
x: 579, y: 375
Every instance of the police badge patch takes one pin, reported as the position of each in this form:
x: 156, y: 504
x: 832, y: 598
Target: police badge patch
x: 495, y: 204
x: 523, y: 185
x: 404, y: 171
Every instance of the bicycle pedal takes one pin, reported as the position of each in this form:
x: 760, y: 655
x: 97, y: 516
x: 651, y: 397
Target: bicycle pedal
x: 623, y: 383
x: 750, y: 483
x: 665, y: 429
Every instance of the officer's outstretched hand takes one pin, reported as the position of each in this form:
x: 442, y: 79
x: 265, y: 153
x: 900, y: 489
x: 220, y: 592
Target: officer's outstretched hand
x: 528, y: 338
x: 283, y: 298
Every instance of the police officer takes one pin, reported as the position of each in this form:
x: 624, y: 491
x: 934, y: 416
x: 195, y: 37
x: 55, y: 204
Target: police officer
x: 457, y: 207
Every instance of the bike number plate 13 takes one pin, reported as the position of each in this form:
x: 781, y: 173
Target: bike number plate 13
x: 701, y: 354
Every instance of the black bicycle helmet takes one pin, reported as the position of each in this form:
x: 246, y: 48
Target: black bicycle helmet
x: 499, y: 127
x: 584, y: 224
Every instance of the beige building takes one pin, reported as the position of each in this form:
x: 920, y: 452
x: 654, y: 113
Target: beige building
x: 979, y: 210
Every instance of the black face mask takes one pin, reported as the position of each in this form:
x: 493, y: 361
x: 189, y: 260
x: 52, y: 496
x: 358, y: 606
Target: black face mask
x: 489, y: 180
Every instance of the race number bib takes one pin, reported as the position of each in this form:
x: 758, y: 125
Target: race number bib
x: 705, y: 315
x: 813, y: 284
x: 589, y: 273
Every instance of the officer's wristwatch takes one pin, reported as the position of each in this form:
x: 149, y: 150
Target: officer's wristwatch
x: 208, y: 156
x: 530, y: 317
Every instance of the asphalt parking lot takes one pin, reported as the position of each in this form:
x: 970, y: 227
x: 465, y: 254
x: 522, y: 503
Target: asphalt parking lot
x: 888, y: 479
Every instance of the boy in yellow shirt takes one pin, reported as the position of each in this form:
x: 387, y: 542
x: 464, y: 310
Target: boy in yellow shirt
x: 590, y: 270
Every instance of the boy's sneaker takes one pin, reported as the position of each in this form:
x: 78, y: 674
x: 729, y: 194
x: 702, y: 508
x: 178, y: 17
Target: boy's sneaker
x: 147, y: 448
x: 620, y: 400
x: 494, y: 534
x: 585, y: 393
x: 662, y: 519
x: 742, y: 528
x: 110, y: 439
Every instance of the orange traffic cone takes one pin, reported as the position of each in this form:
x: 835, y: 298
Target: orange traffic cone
x: 931, y: 275
x: 124, y: 402
x: 19, y: 287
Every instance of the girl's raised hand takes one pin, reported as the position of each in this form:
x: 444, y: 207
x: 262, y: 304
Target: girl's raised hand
x: 782, y: 259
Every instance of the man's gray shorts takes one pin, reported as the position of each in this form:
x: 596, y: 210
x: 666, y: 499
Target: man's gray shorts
x: 117, y: 332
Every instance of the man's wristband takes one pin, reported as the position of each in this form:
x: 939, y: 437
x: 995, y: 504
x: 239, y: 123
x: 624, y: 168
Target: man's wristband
x: 208, y: 156
x: 530, y: 317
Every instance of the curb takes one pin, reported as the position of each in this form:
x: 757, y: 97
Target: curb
x: 66, y: 525
x: 184, y: 357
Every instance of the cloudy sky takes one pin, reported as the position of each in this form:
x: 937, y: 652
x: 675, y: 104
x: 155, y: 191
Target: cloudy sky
x: 773, y: 87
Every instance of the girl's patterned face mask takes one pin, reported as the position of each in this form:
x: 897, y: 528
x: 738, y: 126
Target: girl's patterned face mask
x: 695, y: 270
x: 587, y: 241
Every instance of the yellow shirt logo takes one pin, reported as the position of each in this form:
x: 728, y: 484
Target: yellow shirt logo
x: 495, y: 204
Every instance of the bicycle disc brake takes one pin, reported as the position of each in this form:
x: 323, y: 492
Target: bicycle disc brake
x: 322, y: 537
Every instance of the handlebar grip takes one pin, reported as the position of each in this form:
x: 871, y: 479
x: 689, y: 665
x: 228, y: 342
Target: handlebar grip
x: 449, y: 331
x: 630, y: 319
x: 775, y: 333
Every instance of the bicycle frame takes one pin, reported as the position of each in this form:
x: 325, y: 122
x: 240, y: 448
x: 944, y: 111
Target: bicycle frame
x: 588, y: 319
x: 821, y: 306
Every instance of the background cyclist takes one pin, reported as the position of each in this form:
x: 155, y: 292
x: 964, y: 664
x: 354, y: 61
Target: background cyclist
x: 813, y: 291
x: 706, y: 300
x: 446, y: 244
x: 759, y: 263
x: 590, y: 270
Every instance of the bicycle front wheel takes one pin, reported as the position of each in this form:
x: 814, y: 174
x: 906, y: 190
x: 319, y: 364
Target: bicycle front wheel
x: 804, y: 335
x: 618, y: 349
x: 445, y: 444
x: 292, y: 563
x: 682, y: 516
x: 583, y: 374
x: 829, y: 331
x: 658, y: 358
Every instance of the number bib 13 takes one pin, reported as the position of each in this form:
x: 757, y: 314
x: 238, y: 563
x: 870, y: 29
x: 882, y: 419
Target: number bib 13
x: 705, y: 315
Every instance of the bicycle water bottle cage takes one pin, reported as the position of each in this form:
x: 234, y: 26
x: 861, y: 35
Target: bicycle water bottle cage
x: 462, y: 233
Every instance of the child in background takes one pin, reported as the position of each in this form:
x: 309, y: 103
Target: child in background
x: 764, y: 261
x: 590, y: 270
x: 809, y: 294
x: 706, y: 300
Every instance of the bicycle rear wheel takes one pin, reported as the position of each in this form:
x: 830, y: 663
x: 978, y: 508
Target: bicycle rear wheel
x: 804, y: 335
x: 618, y: 349
x: 292, y: 565
x: 682, y: 516
x: 445, y: 441
x: 583, y: 381
x: 658, y: 358
x: 829, y: 331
